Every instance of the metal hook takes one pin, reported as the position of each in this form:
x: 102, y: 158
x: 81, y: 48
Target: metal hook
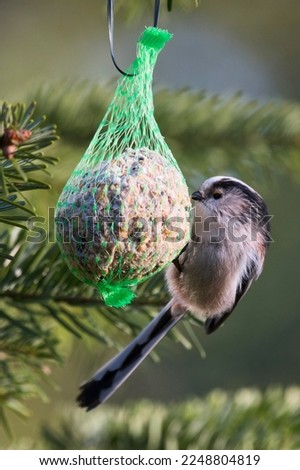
x: 110, y: 24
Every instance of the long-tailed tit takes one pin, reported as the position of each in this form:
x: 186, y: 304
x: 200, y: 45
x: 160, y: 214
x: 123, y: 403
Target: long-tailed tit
x: 226, y: 252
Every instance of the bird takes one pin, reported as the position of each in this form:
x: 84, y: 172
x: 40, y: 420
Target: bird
x: 229, y: 239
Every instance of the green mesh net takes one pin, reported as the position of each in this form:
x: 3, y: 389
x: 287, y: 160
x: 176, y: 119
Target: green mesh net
x: 123, y: 214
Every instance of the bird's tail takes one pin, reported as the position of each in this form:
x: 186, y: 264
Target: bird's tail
x: 109, y: 378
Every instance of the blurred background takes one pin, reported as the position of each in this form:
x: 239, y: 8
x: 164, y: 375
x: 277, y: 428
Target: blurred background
x: 247, y: 47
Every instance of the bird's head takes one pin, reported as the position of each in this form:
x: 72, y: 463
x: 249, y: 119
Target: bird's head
x: 228, y: 198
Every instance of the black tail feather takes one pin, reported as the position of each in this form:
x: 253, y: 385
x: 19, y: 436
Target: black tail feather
x: 109, y: 378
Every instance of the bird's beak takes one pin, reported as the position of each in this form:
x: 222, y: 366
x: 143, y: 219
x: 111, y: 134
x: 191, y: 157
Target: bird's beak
x: 197, y: 196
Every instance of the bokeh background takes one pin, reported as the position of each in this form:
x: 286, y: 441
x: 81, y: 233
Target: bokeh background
x: 221, y: 47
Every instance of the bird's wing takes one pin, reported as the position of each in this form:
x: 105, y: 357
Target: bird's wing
x: 176, y: 261
x: 213, y: 323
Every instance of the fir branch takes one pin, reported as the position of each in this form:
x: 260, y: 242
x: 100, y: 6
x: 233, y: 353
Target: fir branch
x: 22, y: 137
x: 25, y: 343
x: 208, y: 134
x: 246, y: 419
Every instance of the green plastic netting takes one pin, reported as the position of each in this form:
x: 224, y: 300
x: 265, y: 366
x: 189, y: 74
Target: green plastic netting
x: 123, y: 214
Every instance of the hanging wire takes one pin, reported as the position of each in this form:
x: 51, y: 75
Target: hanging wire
x: 110, y: 25
x: 156, y: 13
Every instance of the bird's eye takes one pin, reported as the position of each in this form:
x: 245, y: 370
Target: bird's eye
x: 217, y: 195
